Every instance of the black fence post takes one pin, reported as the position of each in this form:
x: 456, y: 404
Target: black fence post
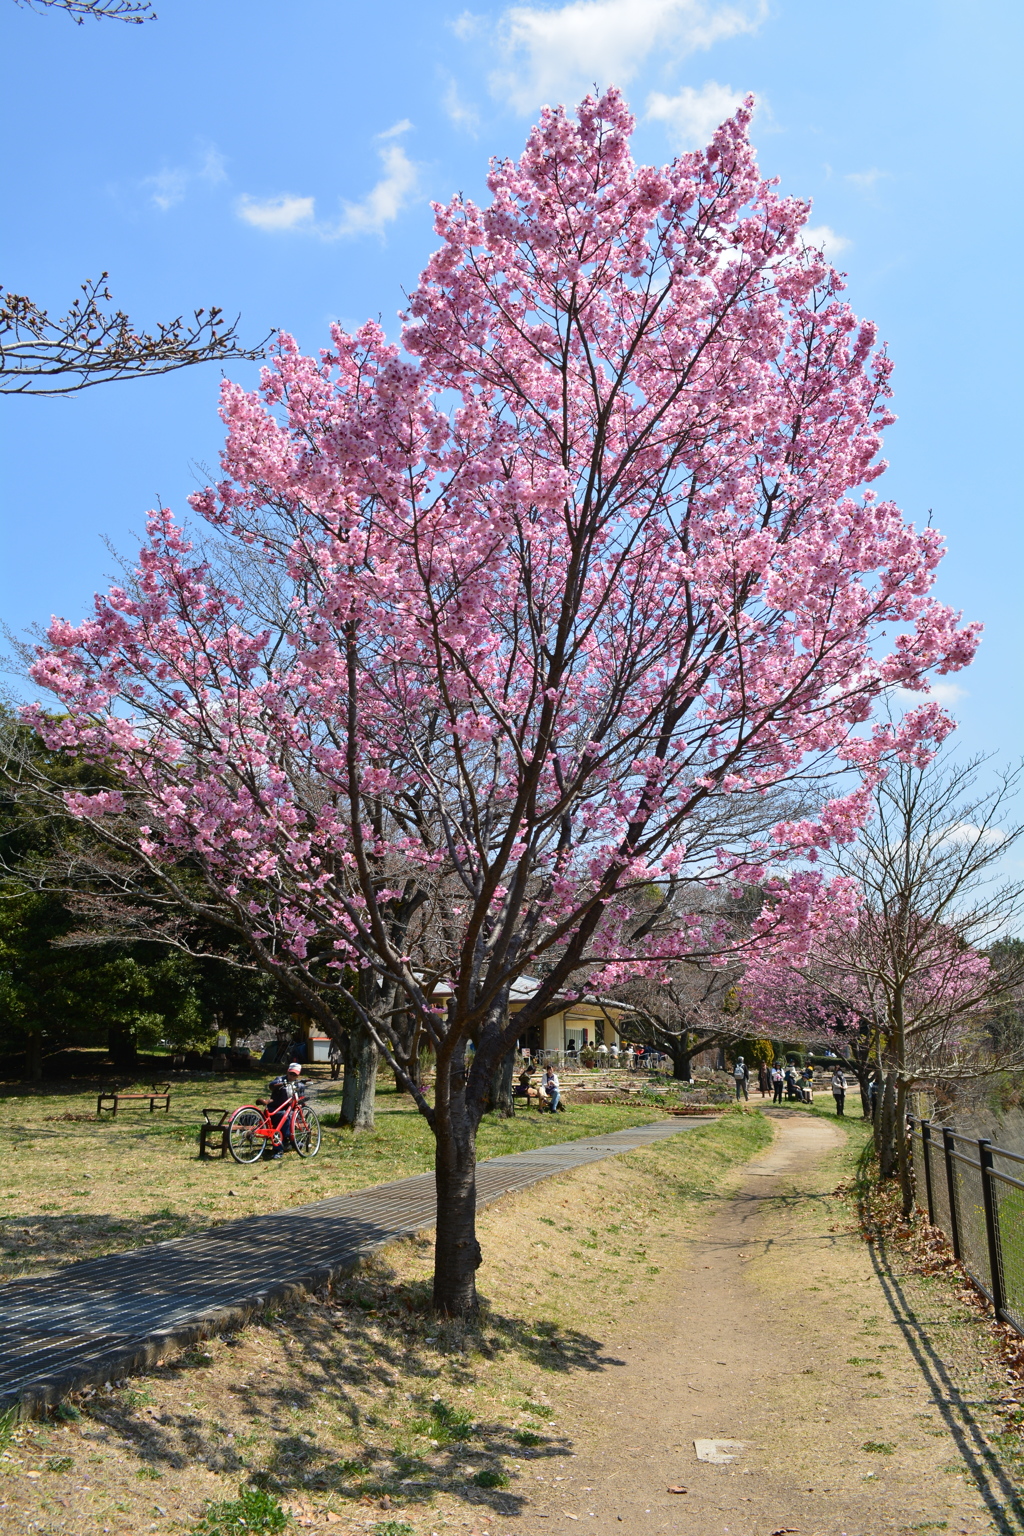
x: 954, y: 1225
x: 926, y: 1158
x: 991, y: 1218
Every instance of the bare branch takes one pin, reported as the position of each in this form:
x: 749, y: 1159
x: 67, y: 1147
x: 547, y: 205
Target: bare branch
x: 93, y: 344
x: 133, y: 11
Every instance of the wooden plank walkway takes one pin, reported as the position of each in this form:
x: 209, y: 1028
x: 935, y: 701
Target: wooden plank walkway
x: 101, y: 1318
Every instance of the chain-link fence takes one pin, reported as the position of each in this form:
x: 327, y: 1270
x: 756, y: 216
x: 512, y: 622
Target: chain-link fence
x: 975, y: 1193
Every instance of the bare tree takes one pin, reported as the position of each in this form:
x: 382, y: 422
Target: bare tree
x: 683, y: 1014
x: 134, y: 11
x: 95, y: 344
x: 913, y: 974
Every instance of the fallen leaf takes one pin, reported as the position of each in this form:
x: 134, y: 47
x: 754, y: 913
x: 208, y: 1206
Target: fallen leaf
x: 675, y: 1489
x: 784, y: 1530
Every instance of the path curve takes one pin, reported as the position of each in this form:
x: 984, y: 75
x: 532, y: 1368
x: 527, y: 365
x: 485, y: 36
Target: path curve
x: 752, y: 1344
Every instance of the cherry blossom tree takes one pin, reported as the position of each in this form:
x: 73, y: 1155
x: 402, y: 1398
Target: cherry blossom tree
x: 594, y: 552
x: 908, y: 975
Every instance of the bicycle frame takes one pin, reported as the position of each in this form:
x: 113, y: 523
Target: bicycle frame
x: 268, y: 1129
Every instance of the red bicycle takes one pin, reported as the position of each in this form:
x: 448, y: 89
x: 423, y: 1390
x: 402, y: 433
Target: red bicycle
x: 256, y: 1128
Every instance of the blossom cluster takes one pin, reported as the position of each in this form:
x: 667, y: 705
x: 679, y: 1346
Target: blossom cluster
x: 504, y: 620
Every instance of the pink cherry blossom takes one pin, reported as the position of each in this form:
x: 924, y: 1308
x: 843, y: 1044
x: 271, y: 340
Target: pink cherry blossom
x: 498, y: 626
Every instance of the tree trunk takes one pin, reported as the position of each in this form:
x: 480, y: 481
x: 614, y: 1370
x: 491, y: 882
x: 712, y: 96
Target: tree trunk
x: 860, y: 1062
x: 903, y: 1151
x: 886, y: 1128
x: 456, y: 1250
x: 34, y: 1056
x: 122, y: 1048
x: 679, y: 1049
x: 500, y: 1096
x: 360, y: 1085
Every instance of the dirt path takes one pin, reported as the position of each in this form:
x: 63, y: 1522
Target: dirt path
x: 780, y: 1337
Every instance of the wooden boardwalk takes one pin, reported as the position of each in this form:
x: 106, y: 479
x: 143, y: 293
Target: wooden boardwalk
x: 99, y: 1319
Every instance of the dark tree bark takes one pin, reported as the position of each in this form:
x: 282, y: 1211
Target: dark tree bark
x: 457, y: 1254
x: 903, y: 1151
x: 121, y: 1045
x: 682, y: 1054
x: 860, y: 1064
x: 885, y: 1127
x: 501, y: 1099
x: 360, y: 1085
x: 34, y: 1056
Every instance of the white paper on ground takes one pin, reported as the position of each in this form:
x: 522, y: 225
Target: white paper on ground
x: 718, y: 1452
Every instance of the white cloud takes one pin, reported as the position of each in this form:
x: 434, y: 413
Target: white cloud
x: 384, y: 202
x: 169, y: 187
x: 276, y: 213
x: 823, y: 238
x: 967, y: 832
x: 396, y: 130
x: 460, y: 112
x: 554, y: 55
x: 693, y: 115
x: 946, y: 694
x: 467, y: 25
x: 380, y: 207
x: 865, y: 181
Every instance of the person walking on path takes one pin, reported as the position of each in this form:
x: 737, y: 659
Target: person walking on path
x: 839, y: 1090
x: 778, y: 1083
x: 553, y: 1090
x: 740, y: 1074
x: 764, y: 1081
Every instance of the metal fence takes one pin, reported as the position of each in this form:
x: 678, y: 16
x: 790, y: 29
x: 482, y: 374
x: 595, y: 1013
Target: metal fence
x: 975, y: 1193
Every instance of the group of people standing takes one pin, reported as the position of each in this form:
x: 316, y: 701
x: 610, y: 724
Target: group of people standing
x: 779, y: 1080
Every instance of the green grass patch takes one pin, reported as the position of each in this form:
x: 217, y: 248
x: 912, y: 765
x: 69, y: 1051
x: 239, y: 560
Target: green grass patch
x: 490, y: 1477
x: 253, y: 1510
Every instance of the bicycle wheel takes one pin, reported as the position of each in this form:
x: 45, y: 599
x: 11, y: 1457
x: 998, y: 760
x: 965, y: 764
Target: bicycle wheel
x: 306, y: 1132
x: 244, y: 1144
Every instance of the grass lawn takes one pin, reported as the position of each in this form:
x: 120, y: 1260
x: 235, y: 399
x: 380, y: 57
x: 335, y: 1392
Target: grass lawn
x: 72, y: 1187
x: 358, y: 1412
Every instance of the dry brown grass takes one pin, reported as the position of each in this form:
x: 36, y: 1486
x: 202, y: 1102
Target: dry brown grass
x: 72, y: 1187
x: 358, y: 1409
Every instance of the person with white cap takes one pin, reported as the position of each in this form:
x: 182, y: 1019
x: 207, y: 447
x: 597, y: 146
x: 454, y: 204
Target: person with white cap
x: 285, y: 1095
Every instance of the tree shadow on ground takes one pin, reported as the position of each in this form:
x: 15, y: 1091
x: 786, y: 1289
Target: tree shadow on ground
x: 32, y: 1246
x: 364, y: 1400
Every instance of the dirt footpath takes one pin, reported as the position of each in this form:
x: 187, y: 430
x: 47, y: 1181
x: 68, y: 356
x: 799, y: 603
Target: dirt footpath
x: 779, y: 1337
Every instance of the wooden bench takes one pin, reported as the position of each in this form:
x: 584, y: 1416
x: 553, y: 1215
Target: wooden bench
x: 159, y: 1098
x: 214, y: 1130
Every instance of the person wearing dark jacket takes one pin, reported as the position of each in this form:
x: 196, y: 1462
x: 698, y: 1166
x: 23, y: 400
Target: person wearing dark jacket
x: 286, y: 1093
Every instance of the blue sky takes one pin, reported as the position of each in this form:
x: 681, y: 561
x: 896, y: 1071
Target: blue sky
x: 279, y: 159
